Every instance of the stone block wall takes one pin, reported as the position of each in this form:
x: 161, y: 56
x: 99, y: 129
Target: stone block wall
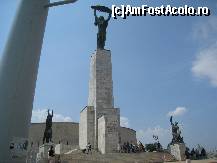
x: 127, y: 135
x: 69, y: 131
x: 104, y: 112
x: 101, y: 84
x: 62, y: 131
x: 108, y: 133
x: 102, y: 135
x: 86, y: 127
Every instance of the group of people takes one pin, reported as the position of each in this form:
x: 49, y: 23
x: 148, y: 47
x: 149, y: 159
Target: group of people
x: 131, y: 148
x: 195, y: 154
x: 125, y: 148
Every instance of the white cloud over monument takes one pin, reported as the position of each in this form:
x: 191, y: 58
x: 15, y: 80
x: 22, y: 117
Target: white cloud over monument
x: 39, y: 116
x: 179, y: 111
x: 206, y: 31
x: 124, y: 122
x: 205, y: 64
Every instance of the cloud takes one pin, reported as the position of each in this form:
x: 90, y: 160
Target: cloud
x: 39, y: 116
x: 179, y: 111
x: 205, y: 65
x: 124, y: 122
x: 206, y: 31
x: 146, y: 135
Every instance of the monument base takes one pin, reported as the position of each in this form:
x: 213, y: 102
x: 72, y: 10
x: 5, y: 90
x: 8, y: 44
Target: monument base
x: 108, y: 132
x: 42, y: 155
x: 178, y: 151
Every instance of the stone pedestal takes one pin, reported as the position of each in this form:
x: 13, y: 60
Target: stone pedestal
x: 86, y: 127
x: 100, y: 120
x: 108, y: 133
x: 100, y: 86
x: 178, y: 151
x: 42, y: 155
x: 101, y: 83
x: 100, y: 104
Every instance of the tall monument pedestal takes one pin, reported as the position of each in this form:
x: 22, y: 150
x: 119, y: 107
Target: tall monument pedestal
x: 101, y: 83
x: 100, y: 120
x: 178, y: 151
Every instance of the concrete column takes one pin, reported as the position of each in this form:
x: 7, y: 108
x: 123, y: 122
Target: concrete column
x: 101, y: 83
x: 18, y: 74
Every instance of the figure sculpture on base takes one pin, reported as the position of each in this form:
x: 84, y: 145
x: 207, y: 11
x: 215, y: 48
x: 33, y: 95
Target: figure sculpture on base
x: 157, y: 144
x: 176, y: 133
x: 48, y: 130
x: 177, y: 146
x: 102, y: 24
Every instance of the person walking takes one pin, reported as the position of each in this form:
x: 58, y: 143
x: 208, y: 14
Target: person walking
x: 51, y: 155
x: 89, y: 147
x: 187, y: 155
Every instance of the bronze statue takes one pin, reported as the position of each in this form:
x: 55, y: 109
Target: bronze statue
x: 102, y: 24
x: 176, y: 133
x: 48, y: 130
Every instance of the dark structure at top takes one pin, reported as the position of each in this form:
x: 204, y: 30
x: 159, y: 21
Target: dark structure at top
x: 48, y: 130
x: 102, y: 24
x: 176, y: 133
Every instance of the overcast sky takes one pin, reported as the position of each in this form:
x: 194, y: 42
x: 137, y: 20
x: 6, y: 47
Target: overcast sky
x: 162, y: 66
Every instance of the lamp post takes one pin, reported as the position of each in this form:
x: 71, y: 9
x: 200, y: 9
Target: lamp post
x: 18, y: 74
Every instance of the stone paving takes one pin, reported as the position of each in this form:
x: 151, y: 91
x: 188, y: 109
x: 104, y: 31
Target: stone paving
x: 116, y: 158
x: 198, y: 161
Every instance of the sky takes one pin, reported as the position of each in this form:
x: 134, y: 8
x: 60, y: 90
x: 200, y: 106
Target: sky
x: 162, y: 66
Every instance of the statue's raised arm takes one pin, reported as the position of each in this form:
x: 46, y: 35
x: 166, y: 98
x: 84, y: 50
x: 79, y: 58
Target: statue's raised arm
x: 102, y: 9
x: 109, y: 17
x: 49, y: 115
x: 96, y: 18
x: 171, y: 120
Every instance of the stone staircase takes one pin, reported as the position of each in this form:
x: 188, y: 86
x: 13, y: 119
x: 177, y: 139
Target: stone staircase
x: 95, y: 157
